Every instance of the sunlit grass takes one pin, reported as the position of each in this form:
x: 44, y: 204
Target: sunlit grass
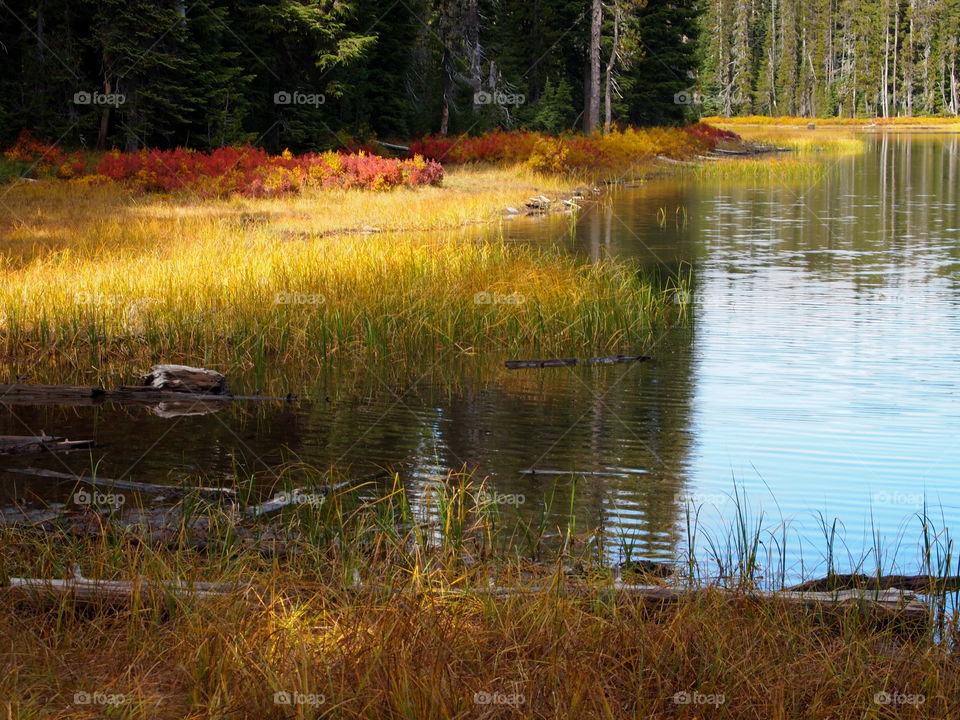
x: 96, y: 280
x: 792, y: 121
x: 806, y: 155
x: 384, y: 608
x: 781, y: 169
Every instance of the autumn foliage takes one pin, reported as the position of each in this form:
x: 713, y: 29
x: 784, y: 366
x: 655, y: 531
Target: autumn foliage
x: 253, y: 172
x: 614, y: 151
x: 44, y: 158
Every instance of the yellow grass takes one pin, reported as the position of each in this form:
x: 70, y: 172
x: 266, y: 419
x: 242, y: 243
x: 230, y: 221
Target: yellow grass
x: 96, y: 281
x: 787, y: 120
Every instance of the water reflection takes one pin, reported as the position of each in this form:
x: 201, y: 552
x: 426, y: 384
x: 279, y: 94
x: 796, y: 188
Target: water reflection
x: 819, y: 369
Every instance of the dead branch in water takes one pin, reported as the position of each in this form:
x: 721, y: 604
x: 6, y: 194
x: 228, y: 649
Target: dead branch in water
x: 570, y: 362
x: 130, y: 485
x: 26, y: 445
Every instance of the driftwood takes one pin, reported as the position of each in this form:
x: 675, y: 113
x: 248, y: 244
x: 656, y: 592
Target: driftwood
x: 888, y: 603
x: 755, y: 150
x: 570, y: 362
x: 185, y: 408
x: 280, y: 500
x: 141, y: 487
x: 183, y: 378
x: 671, y: 161
x: 911, y: 583
x: 302, y: 496
x: 86, y: 590
x: 83, y: 395
x: 25, y: 445
x: 893, y: 604
x: 393, y: 146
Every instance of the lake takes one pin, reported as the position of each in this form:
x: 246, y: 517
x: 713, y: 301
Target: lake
x: 816, y: 376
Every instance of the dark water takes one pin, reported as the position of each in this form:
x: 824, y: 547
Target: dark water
x: 818, y: 373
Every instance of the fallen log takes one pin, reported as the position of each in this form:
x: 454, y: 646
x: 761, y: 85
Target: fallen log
x: 279, y: 501
x: 299, y: 496
x: 87, y: 590
x: 79, y: 395
x: 891, y: 604
x: 671, y: 161
x: 570, y: 362
x: 141, y: 487
x: 25, y: 445
x: 888, y: 603
x: 911, y: 583
x: 393, y: 146
x: 756, y: 150
x: 18, y: 391
x: 534, y: 471
x: 186, y: 379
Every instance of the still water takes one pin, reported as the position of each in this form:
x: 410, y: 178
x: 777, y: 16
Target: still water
x: 817, y: 376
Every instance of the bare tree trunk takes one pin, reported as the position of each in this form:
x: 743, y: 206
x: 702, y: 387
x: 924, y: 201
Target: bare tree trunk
x: 614, y: 49
x: 447, y: 83
x: 591, y: 115
x: 885, y: 75
x: 896, y: 66
x: 105, y: 112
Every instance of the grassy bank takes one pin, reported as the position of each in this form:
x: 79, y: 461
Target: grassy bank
x: 96, y: 278
x: 806, y: 156
x: 792, y: 121
x: 383, y: 609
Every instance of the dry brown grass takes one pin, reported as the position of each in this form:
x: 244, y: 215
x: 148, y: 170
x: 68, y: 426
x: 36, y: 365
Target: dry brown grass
x: 433, y: 656
x: 422, y: 638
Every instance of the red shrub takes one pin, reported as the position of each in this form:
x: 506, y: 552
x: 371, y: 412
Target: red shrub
x: 253, y: 172
x: 30, y: 150
x: 613, y: 151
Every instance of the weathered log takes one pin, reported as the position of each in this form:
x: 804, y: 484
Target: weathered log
x: 183, y: 378
x: 24, y: 445
x: 87, y: 590
x: 534, y: 471
x: 393, y: 146
x: 185, y: 408
x: 570, y: 362
x: 912, y: 583
x: 19, y: 392
x: 279, y: 501
x: 888, y: 603
x: 79, y: 395
x: 671, y: 161
x: 141, y: 487
x: 300, y: 496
